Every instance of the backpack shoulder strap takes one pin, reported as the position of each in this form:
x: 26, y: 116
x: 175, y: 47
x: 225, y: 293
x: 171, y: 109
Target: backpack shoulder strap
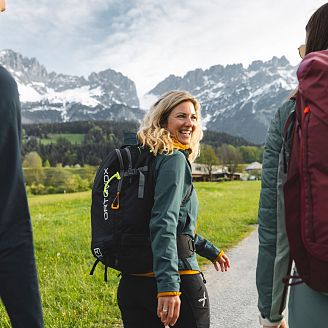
x: 120, y: 159
x: 144, y: 169
x: 128, y: 153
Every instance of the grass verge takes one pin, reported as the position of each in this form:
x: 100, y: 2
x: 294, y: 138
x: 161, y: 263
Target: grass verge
x: 61, y: 224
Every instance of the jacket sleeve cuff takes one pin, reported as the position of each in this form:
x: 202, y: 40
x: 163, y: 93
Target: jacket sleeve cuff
x: 205, y: 248
x: 168, y: 294
x: 267, y: 322
x: 219, y: 255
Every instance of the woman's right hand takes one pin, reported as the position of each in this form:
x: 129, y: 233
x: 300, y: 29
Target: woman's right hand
x: 282, y: 324
x: 222, y: 262
x: 168, y: 309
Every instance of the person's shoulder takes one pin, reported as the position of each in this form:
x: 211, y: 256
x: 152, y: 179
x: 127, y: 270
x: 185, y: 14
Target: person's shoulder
x: 286, y: 108
x: 177, y: 158
x: 176, y: 155
x: 7, y: 82
x: 288, y: 105
x: 4, y: 74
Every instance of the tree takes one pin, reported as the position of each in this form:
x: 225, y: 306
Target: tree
x: 46, y: 164
x: 94, y: 135
x: 32, y: 160
x: 33, y: 168
x: 58, y: 178
x: 30, y: 145
x: 251, y: 154
x: 70, y: 158
x: 208, y: 157
x: 230, y: 156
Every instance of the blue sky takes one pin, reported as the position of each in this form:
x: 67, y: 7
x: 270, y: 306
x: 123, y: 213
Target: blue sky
x: 147, y: 40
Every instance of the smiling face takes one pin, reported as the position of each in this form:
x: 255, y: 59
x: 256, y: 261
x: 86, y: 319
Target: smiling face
x: 182, y: 122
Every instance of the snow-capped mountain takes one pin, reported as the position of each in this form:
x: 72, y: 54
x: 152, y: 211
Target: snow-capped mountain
x: 52, y: 97
x: 237, y: 100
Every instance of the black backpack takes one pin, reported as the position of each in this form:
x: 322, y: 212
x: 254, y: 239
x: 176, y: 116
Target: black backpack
x: 122, y: 199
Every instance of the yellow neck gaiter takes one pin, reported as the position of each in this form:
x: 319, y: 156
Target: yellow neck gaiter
x: 178, y: 145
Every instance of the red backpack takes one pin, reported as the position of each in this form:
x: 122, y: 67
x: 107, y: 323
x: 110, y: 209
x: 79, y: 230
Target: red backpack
x: 306, y: 188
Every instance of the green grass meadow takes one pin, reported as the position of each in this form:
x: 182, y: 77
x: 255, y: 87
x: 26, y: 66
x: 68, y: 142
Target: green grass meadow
x: 61, y: 225
x: 74, y: 138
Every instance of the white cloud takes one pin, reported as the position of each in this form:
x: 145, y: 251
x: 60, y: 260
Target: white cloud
x: 147, y: 40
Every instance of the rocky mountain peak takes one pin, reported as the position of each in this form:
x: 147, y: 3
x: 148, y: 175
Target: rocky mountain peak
x: 55, y: 97
x: 62, y: 82
x: 255, y: 65
x: 237, y: 100
x: 29, y: 68
x: 112, y: 82
x: 278, y: 62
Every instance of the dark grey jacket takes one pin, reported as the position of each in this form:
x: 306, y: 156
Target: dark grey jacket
x: 18, y: 279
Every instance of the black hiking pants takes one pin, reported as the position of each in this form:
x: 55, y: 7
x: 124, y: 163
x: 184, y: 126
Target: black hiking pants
x: 137, y: 299
x: 19, y: 286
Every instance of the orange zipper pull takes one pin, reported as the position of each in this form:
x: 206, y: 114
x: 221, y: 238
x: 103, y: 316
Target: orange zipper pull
x: 117, y: 200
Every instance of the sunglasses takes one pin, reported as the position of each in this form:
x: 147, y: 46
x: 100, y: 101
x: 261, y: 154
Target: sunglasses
x: 301, y: 50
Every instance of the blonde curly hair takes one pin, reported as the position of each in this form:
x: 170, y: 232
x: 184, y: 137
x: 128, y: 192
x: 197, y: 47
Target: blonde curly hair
x: 152, y: 131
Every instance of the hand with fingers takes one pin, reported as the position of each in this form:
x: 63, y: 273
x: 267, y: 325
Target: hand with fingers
x: 281, y: 325
x: 222, y: 262
x: 168, y: 309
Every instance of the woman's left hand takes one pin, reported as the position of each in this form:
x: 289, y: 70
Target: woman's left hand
x: 222, y: 262
x: 168, y: 309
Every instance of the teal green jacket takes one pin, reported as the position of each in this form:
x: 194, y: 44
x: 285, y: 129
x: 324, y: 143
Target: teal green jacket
x: 171, y: 215
x: 273, y: 256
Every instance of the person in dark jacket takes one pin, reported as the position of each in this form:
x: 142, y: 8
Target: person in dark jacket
x: 174, y: 293
x: 307, y: 307
x: 19, y: 288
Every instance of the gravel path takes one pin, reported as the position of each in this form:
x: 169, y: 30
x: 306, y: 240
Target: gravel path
x: 233, y: 295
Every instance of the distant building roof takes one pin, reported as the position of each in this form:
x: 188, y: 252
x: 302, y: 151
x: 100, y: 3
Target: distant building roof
x: 198, y: 168
x: 254, y: 166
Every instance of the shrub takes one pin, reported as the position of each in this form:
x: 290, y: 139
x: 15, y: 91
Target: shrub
x: 37, y: 189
